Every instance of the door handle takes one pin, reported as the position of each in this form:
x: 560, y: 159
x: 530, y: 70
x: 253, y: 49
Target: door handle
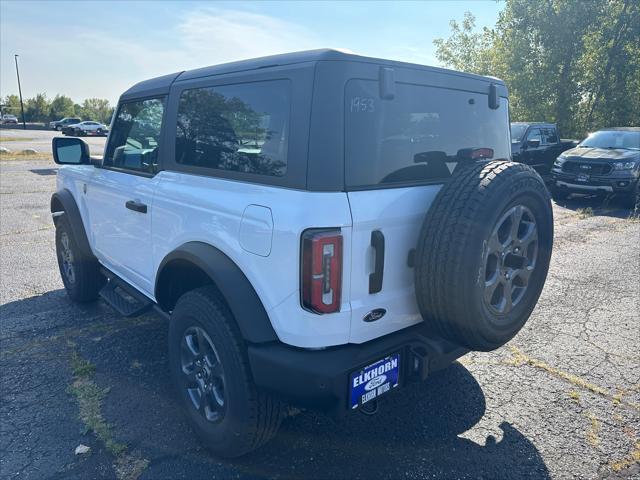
x: 136, y: 206
x: 375, y: 279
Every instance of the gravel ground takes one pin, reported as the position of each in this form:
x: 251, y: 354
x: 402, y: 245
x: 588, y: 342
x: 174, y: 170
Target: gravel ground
x: 562, y: 400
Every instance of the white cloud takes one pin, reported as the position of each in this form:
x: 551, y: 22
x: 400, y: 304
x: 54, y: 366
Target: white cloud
x: 89, y: 62
x: 227, y: 35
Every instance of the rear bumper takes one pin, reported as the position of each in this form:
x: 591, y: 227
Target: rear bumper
x: 319, y: 379
x: 620, y: 183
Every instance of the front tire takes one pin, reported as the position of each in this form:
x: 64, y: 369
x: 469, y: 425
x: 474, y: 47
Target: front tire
x: 632, y: 200
x: 210, y: 370
x: 80, y: 275
x: 558, y: 194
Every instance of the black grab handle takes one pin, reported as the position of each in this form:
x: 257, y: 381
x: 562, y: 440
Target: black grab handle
x: 136, y: 206
x: 375, y: 279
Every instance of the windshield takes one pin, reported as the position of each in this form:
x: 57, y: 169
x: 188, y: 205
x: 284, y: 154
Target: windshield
x: 626, y: 140
x: 517, y: 132
x: 419, y: 135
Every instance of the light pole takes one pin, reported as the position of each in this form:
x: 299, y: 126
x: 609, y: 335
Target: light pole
x: 24, y: 125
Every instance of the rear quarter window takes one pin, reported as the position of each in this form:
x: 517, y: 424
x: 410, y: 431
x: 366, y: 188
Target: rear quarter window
x: 239, y: 128
x: 418, y: 136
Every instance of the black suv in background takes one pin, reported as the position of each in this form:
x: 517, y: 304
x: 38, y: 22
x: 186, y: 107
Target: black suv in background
x: 607, y: 162
x: 65, y: 122
x: 537, y: 144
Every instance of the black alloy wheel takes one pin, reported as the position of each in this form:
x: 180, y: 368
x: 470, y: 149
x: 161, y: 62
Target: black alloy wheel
x: 510, y: 259
x: 203, y: 374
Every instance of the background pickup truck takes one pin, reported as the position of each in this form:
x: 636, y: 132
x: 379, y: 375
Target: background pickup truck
x: 538, y: 144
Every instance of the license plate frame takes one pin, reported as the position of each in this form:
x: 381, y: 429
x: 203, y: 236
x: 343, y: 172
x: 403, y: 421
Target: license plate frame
x: 582, y: 177
x: 374, y: 380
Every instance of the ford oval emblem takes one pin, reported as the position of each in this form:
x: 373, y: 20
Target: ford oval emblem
x: 375, y: 382
x: 374, y: 315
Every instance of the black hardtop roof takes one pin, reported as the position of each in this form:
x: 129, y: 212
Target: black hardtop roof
x: 154, y: 86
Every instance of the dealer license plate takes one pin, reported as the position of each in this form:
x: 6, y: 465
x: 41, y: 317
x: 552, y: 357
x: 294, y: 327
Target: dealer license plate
x: 583, y: 177
x: 374, y: 380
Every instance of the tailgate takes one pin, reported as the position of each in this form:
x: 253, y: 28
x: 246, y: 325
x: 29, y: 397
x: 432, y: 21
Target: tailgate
x: 397, y: 214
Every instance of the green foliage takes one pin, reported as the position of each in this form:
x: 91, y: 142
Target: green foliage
x: 40, y: 109
x: 61, y: 107
x: 11, y: 105
x: 574, y: 63
x: 37, y: 108
x: 97, y: 109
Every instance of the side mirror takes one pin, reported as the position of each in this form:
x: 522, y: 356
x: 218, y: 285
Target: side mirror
x: 70, y: 151
x: 535, y: 143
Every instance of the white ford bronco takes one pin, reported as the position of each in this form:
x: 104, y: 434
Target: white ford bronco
x: 320, y: 229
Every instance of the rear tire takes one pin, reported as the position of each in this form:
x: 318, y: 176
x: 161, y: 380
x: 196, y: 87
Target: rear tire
x: 559, y: 194
x: 80, y: 275
x: 235, y: 417
x: 483, y: 254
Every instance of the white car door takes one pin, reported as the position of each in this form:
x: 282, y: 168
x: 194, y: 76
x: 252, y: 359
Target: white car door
x: 121, y: 193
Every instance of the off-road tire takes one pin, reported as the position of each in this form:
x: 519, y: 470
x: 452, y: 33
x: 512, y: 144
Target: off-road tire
x: 453, y: 242
x: 632, y: 200
x: 86, y: 280
x: 252, y: 417
x: 559, y: 194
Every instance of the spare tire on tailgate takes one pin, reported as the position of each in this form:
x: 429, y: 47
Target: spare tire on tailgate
x: 483, y: 253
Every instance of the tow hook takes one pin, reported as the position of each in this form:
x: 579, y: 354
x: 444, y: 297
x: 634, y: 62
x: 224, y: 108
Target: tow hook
x: 369, y: 408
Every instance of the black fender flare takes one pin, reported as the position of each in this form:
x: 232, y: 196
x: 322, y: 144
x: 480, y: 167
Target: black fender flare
x: 70, y: 208
x: 241, y: 297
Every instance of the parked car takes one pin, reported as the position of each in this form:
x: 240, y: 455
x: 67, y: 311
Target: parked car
x: 65, y: 122
x: 537, y: 144
x: 606, y: 162
x: 9, y: 119
x: 319, y: 228
x: 86, y: 128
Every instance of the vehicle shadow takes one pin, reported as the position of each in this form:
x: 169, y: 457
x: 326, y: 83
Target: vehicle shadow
x: 601, y: 206
x: 415, y: 434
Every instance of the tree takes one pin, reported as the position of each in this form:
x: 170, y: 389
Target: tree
x: 574, y: 63
x: 97, y: 109
x: 37, y: 109
x: 11, y: 104
x: 61, y: 106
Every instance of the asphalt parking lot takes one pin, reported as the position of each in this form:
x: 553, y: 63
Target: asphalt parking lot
x: 561, y: 400
x: 40, y: 140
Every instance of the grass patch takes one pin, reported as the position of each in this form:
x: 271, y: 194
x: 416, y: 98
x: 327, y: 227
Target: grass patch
x: 128, y: 466
x: 90, y: 398
x: 15, y: 139
x: 593, y: 434
x: 585, y: 212
x: 627, y: 462
x: 7, y: 157
x: 81, y: 368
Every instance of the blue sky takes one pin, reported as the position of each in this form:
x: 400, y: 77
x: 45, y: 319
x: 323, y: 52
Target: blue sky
x: 99, y: 49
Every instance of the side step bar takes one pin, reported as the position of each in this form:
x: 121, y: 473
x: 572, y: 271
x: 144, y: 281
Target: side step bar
x: 123, y: 298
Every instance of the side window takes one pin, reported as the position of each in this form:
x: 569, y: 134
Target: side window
x: 534, y: 134
x: 133, y: 144
x: 552, y: 135
x: 240, y: 128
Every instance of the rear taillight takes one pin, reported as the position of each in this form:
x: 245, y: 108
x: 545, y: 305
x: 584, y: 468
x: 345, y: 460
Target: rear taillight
x: 321, y: 270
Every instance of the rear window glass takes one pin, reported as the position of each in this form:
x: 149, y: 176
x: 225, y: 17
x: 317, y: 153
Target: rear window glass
x: 419, y: 135
x: 240, y: 128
